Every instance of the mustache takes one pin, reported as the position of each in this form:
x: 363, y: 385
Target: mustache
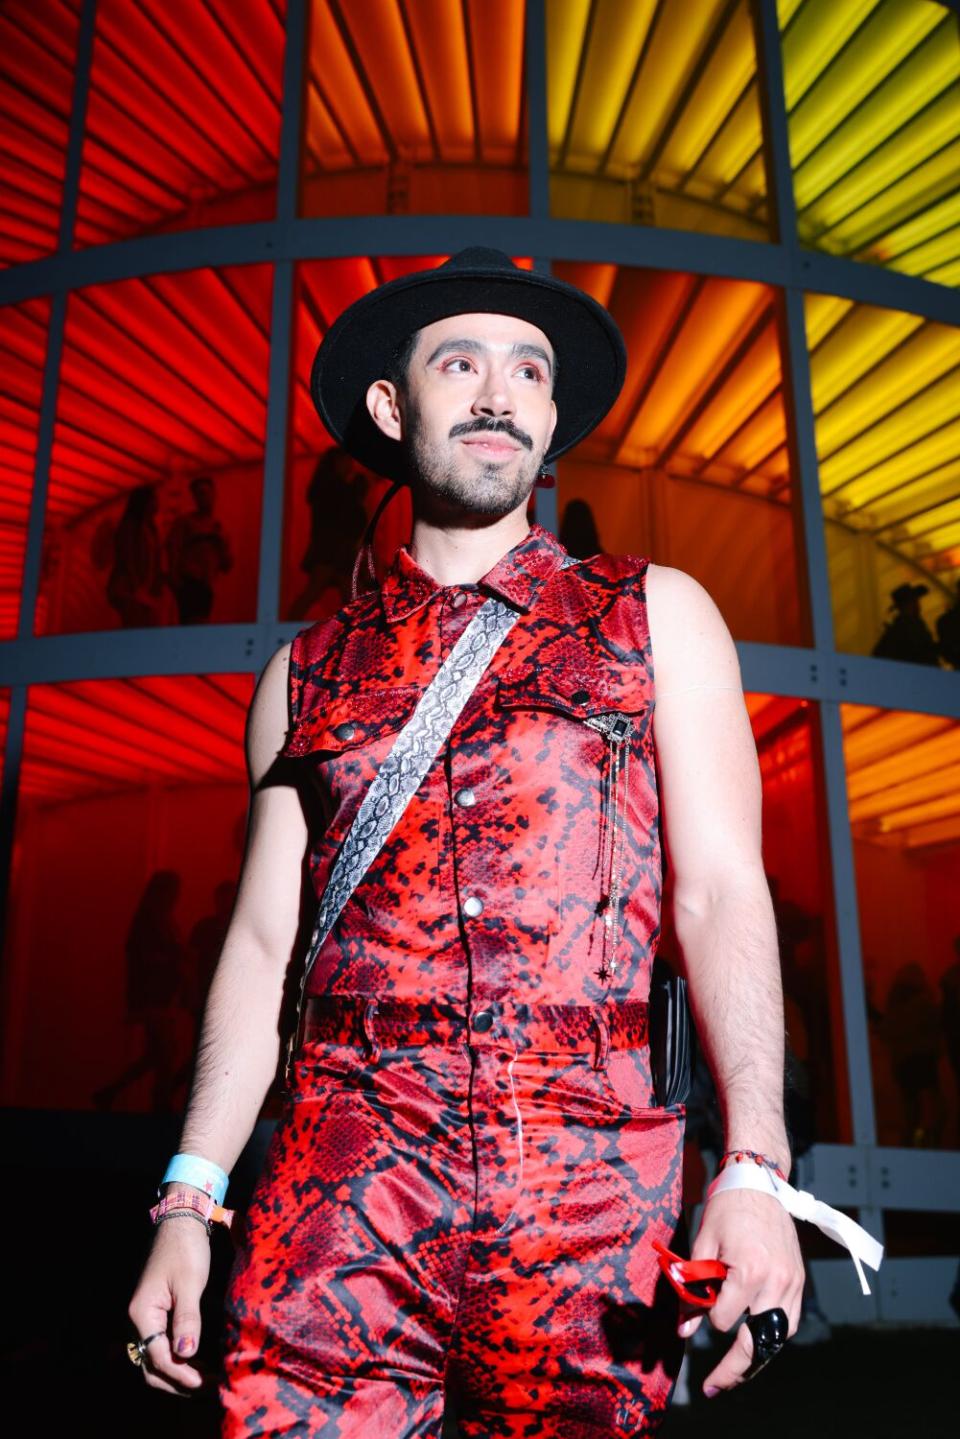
x: 492, y: 427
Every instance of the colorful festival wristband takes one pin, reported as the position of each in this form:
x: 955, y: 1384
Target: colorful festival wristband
x: 189, y: 1201
x: 201, y: 1173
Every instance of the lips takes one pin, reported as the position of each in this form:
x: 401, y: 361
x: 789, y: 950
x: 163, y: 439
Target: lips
x: 491, y: 445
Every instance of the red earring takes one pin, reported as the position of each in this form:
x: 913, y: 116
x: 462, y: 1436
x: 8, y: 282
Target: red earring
x: 546, y: 481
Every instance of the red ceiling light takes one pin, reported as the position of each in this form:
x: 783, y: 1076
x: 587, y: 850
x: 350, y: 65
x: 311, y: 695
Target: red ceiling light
x: 183, y: 116
x: 38, y: 48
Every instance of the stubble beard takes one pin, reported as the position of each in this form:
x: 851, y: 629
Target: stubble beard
x: 465, y: 493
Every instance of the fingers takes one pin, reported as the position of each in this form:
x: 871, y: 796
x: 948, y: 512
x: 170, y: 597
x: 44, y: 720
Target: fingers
x: 736, y: 1362
x: 167, y: 1303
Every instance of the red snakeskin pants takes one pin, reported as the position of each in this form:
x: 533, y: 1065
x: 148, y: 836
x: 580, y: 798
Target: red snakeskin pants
x: 437, y: 1220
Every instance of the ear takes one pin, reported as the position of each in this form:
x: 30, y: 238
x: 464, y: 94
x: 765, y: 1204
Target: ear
x: 383, y: 404
x: 553, y: 423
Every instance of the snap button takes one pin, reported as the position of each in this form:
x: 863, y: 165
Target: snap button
x: 459, y: 600
x: 579, y: 697
x: 473, y: 906
x: 483, y: 1021
x: 345, y: 731
x: 465, y: 797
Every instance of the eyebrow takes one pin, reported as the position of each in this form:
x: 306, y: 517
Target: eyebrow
x: 521, y: 350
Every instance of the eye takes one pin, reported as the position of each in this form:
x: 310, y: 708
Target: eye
x: 530, y: 372
x: 454, y: 365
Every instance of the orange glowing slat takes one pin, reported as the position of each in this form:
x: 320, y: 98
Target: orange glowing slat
x: 441, y: 43
x: 714, y: 329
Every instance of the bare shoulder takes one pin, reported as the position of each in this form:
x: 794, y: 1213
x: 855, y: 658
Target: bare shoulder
x: 689, y: 639
x: 269, y: 715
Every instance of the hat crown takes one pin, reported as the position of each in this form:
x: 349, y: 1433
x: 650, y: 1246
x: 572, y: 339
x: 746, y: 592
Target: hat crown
x: 479, y: 257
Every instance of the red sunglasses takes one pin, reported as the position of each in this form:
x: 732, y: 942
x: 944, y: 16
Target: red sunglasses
x: 697, y: 1281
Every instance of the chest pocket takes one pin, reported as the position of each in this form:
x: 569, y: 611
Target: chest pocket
x: 351, y: 721
x: 591, y: 694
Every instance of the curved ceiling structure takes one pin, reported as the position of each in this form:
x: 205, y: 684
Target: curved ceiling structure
x: 97, y: 737
x: 23, y: 344
x: 663, y: 97
x: 162, y: 375
x: 38, y: 47
x: 183, y: 116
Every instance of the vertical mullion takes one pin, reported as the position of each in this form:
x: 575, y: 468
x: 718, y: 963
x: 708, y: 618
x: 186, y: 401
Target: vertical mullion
x: 281, y: 321
x: 798, y: 396
x: 538, y: 146
x: 848, y: 928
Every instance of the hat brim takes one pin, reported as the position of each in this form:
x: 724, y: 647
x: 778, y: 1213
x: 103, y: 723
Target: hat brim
x: 359, y: 345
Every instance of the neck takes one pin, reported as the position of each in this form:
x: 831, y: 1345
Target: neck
x: 455, y: 555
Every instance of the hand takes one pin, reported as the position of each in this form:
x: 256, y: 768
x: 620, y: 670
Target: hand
x: 757, y: 1239
x: 173, y: 1279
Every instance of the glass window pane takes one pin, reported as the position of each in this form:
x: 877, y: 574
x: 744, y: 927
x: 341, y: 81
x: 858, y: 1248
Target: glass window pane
x: 183, y: 117
x: 692, y: 464
x: 796, y: 855
x: 141, y: 784
x: 885, y: 389
x: 654, y: 115
x: 903, y: 789
x: 873, y: 93
x: 38, y: 50
x: 415, y: 106
x: 23, y: 344
x: 157, y: 469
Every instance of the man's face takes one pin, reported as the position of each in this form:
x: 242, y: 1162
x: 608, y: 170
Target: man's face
x: 477, y: 414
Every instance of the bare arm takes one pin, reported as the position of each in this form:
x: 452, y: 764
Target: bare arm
x: 240, y: 1042
x: 710, y: 790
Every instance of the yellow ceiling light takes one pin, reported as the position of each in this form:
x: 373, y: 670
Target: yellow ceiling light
x: 662, y: 96
x: 903, y: 776
x: 873, y: 94
x: 886, y: 393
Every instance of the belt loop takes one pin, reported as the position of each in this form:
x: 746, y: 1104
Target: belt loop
x: 603, y: 1040
x: 369, y: 1030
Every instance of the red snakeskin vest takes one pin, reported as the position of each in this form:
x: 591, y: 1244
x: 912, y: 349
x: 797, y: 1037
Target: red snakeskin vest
x: 501, y: 878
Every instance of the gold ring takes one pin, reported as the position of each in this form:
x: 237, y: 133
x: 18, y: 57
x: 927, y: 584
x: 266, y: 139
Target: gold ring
x: 137, y: 1348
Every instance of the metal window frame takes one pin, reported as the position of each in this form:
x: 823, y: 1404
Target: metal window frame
x: 861, y: 1172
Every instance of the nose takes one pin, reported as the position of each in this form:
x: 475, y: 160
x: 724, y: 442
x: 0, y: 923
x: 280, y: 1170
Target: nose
x: 493, y: 397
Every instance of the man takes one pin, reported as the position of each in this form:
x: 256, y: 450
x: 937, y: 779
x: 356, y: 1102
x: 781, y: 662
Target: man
x: 906, y: 636
x: 197, y: 553
x: 462, y: 1195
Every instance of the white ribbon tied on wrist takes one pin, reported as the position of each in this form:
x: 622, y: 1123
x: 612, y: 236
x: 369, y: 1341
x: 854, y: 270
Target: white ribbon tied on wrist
x: 747, y: 1174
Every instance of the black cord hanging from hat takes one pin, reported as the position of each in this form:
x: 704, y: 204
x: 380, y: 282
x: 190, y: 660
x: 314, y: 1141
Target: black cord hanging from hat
x: 364, y: 575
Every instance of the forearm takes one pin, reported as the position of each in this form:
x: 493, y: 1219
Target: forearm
x: 729, y: 943
x: 237, y: 1055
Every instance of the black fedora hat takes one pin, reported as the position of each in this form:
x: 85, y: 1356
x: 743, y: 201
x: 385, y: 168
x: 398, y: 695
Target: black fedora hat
x: 358, y: 347
x: 903, y: 594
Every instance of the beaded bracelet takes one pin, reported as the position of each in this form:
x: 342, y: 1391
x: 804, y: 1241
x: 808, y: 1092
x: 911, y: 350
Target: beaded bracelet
x: 184, y: 1214
x: 740, y: 1156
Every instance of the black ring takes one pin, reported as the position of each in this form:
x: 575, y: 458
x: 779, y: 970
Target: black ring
x: 769, y: 1331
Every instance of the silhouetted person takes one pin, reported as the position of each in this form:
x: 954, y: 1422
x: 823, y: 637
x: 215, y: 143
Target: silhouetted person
x: 135, y: 583
x: 206, y: 942
x: 197, y: 553
x: 578, y: 530
x: 950, y: 992
x: 338, y: 518
x: 911, y: 1030
x: 154, y: 991
x: 948, y: 632
x: 906, y: 636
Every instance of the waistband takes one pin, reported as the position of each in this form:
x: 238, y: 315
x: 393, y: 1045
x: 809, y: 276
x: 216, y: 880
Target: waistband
x: 383, y: 1020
